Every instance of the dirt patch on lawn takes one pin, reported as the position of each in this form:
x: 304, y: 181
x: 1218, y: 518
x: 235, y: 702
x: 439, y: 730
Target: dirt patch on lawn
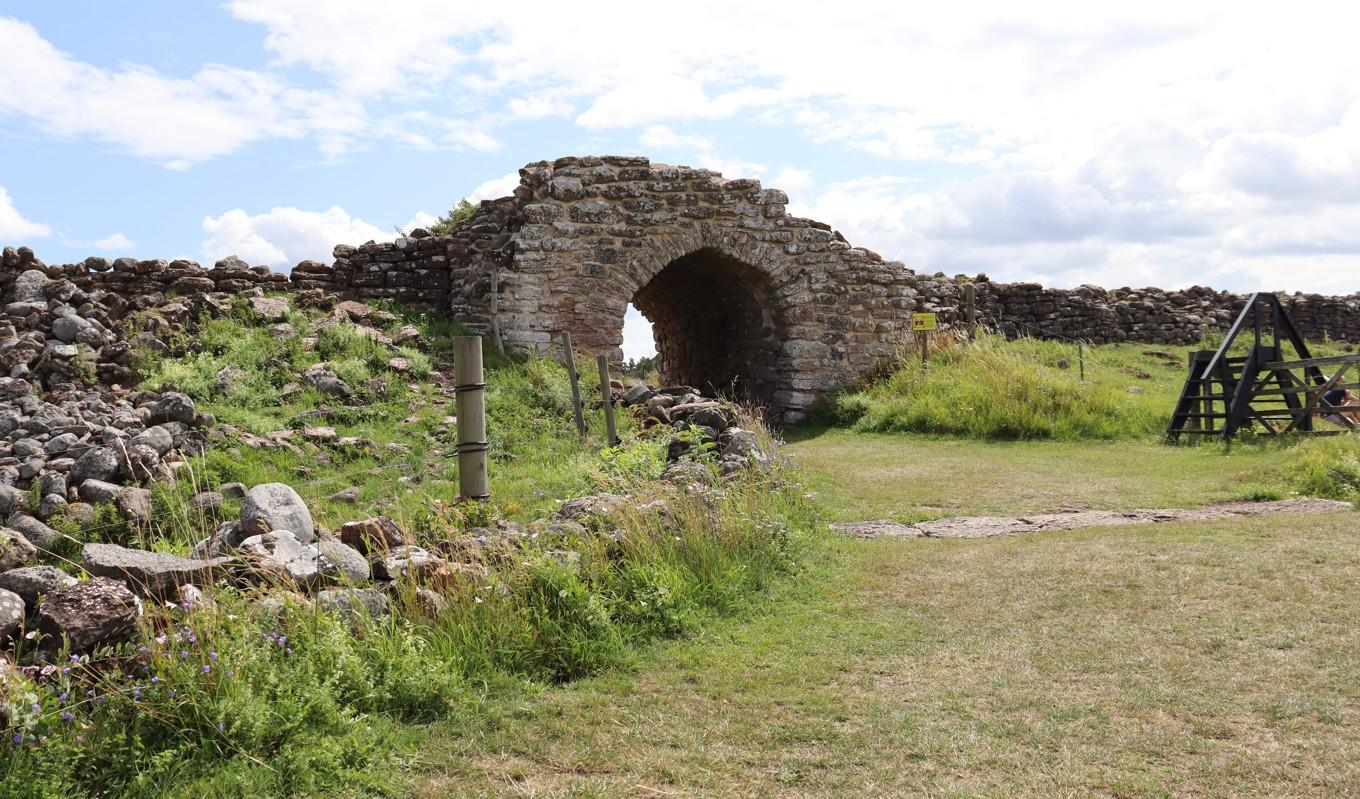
x: 999, y: 526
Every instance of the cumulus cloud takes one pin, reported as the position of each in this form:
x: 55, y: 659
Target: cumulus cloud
x: 178, y: 121
x: 495, y: 188
x: 281, y: 237
x: 116, y: 242
x: 13, y: 226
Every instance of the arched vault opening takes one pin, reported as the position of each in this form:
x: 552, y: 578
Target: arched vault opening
x: 714, y: 325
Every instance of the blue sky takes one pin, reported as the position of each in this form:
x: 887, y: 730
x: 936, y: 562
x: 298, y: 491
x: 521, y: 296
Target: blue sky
x: 1167, y: 144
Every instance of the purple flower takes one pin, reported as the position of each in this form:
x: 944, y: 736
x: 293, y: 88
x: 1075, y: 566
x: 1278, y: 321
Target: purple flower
x: 141, y: 650
x: 283, y: 639
x: 137, y: 692
x: 37, y: 708
x: 184, y: 654
x: 155, y: 679
x: 75, y: 658
x: 288, y: 651
x: 18, y: 738
x: 220, y: 726
x: 171, y: 693
x: 193, y: 639
x: 206, y: 667
x: 62, y: 697
x: 212, y: 655
x: 231, y: 672
x: 67, y: 716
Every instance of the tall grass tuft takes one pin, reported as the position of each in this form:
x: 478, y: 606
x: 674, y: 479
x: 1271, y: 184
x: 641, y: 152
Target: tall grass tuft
x: 993, y: 388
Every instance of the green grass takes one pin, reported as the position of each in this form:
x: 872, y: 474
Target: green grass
x: 236, y: 700
x: 861, y: 476
x: 993, y: 388
x: 1212, y: 660
x: 405, y: 466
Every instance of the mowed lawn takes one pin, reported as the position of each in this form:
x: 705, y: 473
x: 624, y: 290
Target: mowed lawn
x: 908, y: 478
x: 1218, y: 660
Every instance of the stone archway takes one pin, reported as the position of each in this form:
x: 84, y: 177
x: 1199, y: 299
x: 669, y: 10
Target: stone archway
x: 715, y: 325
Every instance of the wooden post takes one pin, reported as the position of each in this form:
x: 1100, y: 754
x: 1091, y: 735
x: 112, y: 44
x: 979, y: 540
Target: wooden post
x: 1081, y: 359
x: 470, y: 398
x: 970, y: 309
x: 570, y: 360
x: 607, y: 395
x: 925, y: 347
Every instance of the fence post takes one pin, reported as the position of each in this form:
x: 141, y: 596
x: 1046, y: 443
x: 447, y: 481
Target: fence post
x: 970, y: 309
x: 925, y: 347
x: 608, y: 396
x: 470, y: 398
x: 570, y: 360
x: 1081, y: 359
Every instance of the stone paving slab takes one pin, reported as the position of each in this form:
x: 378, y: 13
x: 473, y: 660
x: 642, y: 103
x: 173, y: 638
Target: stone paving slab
x: 1003, y: 526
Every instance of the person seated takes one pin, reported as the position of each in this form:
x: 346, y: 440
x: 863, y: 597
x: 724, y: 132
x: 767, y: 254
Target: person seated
x: 1341, y: 397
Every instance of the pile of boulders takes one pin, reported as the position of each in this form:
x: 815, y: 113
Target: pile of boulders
x: 273, y: 543
x: 72, y: 434
x: 702, y: 426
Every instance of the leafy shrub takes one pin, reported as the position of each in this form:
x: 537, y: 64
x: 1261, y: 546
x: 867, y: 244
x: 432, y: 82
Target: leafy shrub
x: 1324, y: 467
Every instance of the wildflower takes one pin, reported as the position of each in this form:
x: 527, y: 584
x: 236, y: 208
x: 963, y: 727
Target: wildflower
x: 141, y: 650
x: 212, y: 655
x: 184, y: 654
x: 220, y: 726
x: 18, y: 738
x: 206, y: 668
x: 67, y: 716
x: 231, y: 672
x: 171, y: 693
x: 37, y: 708
x: 137, y: 692
x: 283, y: 639
x: 75, y: 658
x: 193, y: 639
x: 62, y: 698
x: 155, y: 679
x: 160, y: 639
x: 288, y: 651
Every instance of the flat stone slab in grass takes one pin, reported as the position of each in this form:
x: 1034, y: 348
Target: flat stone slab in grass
x: 1001, y: 526
x: 150, y: 573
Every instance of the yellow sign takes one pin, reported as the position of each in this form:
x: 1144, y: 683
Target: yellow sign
x: 924, y: 321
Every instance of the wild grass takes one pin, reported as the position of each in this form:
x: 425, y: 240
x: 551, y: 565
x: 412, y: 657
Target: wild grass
x: 1212, y: 660
x: 238, y: 698
x: 993, y: 388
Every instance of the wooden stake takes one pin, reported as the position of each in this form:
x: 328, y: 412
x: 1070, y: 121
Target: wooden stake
x: 470, y: 397
x: 569, y: 359
x: 608, y: 396
x: 1081, y: 359
x: 925, y: 347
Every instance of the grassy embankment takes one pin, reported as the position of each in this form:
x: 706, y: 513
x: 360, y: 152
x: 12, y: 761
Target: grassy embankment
x: 234, y: 699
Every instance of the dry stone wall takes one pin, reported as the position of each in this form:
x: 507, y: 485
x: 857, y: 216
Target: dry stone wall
x: 743, y: 296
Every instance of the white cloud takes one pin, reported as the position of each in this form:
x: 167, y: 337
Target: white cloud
x: 115, y: 243
x: 661, y: 137
x: 495, y: 188
x: 793, y: 180
x: 281, y: 237
x: 13, y: 226
x: 178, y: 121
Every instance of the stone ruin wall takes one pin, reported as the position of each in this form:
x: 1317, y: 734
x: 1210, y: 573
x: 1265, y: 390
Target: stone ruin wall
x: 581, y: 238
